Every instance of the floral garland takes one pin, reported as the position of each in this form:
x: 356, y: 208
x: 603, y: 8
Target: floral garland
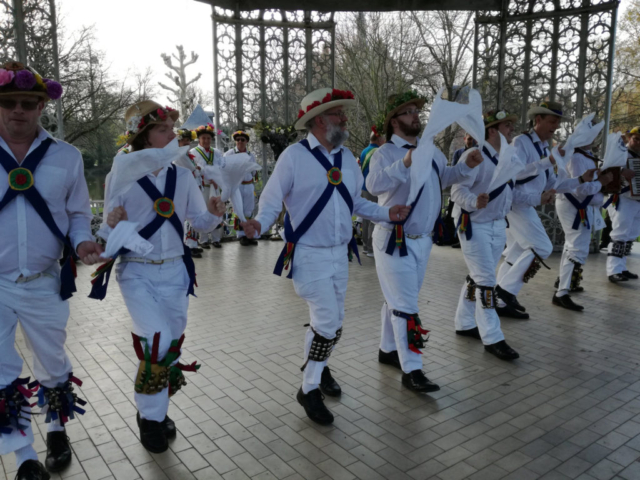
x: 397, y: 100
x: 185, y: 133
x: 208, y: 128
x: 137, y: 123
x: 16, y: 77
x: 493, y: 116
x: 335, y: 94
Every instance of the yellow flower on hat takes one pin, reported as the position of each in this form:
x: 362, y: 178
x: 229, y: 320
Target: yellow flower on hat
x: 39, y: 80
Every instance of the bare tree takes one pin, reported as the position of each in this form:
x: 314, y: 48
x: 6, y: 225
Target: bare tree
x: 181, y: 92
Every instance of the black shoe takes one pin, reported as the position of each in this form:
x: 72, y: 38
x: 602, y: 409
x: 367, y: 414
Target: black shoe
x: 629, y: 275
x: 153, y: 435
x: 617, y: 277
x: 359, y: 241
x: 245, y: 242
x: 58, y: 451
x: 206, y: 246
x: 502, y: 351
x: 456, y: 245
x: 418, y: 382
x: 32, y: 470
x: 195, y: 253
x: 566, y: 302
x: 472, y: 332
x: 390, y: 358
x: 509, y: 312
x: 168, y: 424
x: 509, y: 299
x: 253, y: 241
x: 328, y: 385
x: 313, y: 404
x: 199, y: 250
x: 217, y: 245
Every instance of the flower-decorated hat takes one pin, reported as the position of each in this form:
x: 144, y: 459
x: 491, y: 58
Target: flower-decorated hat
x: 185, y: 134
x: 142, y: 114
x: 546, y: 107
x: 16, y: 78
x: 633, y: 131
x: 396, y: 103
x: 238, y: 134
x: 208, y: 129
x: 493, y: 117
x: 320, y: 101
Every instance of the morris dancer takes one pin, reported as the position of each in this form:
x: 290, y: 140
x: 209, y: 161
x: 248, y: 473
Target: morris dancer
x: 156, y: 288
x: 482, y: 231
x: 320, y: 183
x: 247, y: 188
x: 207, y: 155
x: 185, y: 136
x: 578, y: 213
x: 625, y: 219
x: 528, y: 244
x: 402, y: 248
x: 46, y: 219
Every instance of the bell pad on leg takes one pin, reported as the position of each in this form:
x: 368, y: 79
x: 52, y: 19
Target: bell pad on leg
x: 321, y: 347
x: 471, y: 289
x: 576, y: 276
x: 487, y: 296
x: 61, y: 403
x: 618, y: 249
x: 414, y: 331
x: 14, y: 402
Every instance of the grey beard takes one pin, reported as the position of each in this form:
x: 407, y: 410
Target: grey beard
x: 336, y: 136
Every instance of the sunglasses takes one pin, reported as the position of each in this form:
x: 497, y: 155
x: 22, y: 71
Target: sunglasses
x: 26, y: 105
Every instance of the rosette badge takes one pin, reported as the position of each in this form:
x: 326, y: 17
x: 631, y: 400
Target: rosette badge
x: 16, y: 78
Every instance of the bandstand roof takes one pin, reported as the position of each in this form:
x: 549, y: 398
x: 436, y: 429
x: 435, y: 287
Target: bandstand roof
x: 358, y: 5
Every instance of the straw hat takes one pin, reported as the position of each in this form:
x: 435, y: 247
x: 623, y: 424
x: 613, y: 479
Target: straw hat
x: 395, y: 103
x: 143, y: 114
x: 492, y: 118
x: 320, y: 101
x: 546, y: 108
x: 18, y: 79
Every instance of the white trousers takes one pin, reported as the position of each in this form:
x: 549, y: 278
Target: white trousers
x: 156, y: 297
x: 525, y: 232
x: 625, y: 223
x: 481, y: 254
x: 400, y: 279
x: 576, y: 242
x: 43, y: 316
x: 248, y: 203
x: 320, y: 277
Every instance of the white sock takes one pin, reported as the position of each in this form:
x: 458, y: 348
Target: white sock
x: 25, y: 453
x: 307, y: 387
x: 54, y: 426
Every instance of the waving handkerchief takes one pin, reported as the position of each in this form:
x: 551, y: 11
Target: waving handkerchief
x: 508, y: 165
x: 444, y: 113
x: 584, y: 134
x: 229, y: 176
x: 616, y: 153
x: 125, y: 235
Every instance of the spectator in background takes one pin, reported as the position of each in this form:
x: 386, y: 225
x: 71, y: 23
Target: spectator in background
x: 376, y: 140
x: 468, y: 143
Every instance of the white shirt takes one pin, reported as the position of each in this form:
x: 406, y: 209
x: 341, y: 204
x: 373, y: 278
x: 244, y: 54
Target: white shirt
x: 234, y: 151
x: 578, y: 165
x: 27, y: 246
x: 528, y: 194
x: 299, y: 180
x: 465, y: 194
x: 214, y: 155
x: 390, y: 181
x: 189, y: 205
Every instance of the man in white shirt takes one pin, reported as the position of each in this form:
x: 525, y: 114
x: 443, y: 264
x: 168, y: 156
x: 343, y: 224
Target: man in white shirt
x: 402, y: 248
x: 528, y: 244
x: 247, y: 188
x: 45, y: 216
x: 579, y: 214
x: 624, y: 211
x: 156, y: 287
x: 320, y: 183
x: 480, y: 217
x: 205, y: 155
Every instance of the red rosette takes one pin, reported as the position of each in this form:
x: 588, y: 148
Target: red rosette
x: 300, y: 113
x: 327, y: 98
x: 161, y: 113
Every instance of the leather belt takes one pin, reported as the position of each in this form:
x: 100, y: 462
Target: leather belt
x: 147, y: 261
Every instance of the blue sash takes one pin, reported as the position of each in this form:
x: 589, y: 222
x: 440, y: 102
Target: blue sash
x: 542, y: 155
x: 285, y: 260
x: 581, y: 214
x: 615, y: 198
x: 102, y: 275
x: 39, y: 204
x: 464, y: 220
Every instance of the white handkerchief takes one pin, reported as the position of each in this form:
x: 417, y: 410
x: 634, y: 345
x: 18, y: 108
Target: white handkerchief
x: 616, y: 153
x: 125, y: 235
x: 583, y: 135
x: 508, y: 165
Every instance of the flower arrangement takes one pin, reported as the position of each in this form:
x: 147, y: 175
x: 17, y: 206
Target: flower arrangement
x: 15, y: 77
x: 397, y: 100
x: 277, y: 137
x: 329, y: 97
x: 208, y: 128
x: 493, y: 116
x: 138, y: 122
x: 185, y: 133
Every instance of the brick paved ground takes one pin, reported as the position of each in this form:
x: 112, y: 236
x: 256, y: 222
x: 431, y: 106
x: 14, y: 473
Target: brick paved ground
x: 569, y: 408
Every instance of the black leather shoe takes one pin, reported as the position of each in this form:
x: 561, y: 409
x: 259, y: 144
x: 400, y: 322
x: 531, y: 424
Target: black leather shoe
x: 245, y: 242
x: 328, y: 385
x: 253, y: 241
x: 418, y: 382
x: 509, y: 312
x: 168, y: 424
x: 502, y: 351
x: 509, y: 299
x: 205, y: 246
x: 566, y: 302
x: 389, y: 358
x: 153, y: 435
x: 313, y: 404
x: 617, y: 277
x: 58, y: 451
x: 472, y: 332
x: 198, y: 249
x: 32, y: 470
x: 195, y: 253
x: 629, y: 275
x: 217, y: 245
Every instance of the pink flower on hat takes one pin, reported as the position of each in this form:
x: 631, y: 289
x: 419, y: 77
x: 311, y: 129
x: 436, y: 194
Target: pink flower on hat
x: 6, y: 77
